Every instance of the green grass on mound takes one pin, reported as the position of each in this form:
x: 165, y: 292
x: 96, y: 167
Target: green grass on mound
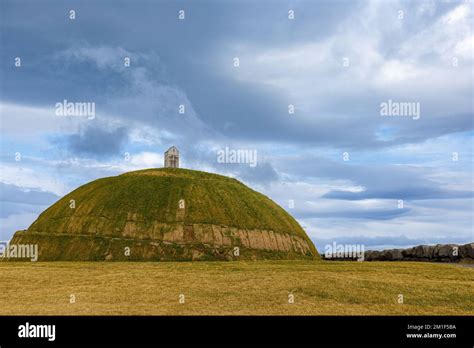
x: 153, y: 195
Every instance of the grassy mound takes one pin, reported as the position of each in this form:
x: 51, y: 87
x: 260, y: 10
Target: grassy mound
x: 166, y: 214
x: 153, y: 194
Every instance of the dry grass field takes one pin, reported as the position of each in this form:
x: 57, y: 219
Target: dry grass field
x: 235, y: 288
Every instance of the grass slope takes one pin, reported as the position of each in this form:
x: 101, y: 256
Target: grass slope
x: 153, y: 194
x: 230, y: 288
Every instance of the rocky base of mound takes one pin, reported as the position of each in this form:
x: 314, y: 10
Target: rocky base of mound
x: 178, y: 242
x: 430, y: 253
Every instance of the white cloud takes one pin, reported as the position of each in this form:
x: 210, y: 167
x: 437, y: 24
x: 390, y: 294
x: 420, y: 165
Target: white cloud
x: 146, y: 97
x: 146, y: 160
x: 22, y: 120
x: 28, y: 175
x: 440, y: 37
x: 384, y: 57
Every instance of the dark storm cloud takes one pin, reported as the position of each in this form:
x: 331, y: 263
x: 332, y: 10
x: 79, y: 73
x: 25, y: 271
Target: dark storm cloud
x: 151, y: 27
x: 370, y: 214
x: 410, y: 191
x: 15, y: 194
x: 18, y: 200
x: 188, y: 57
x: 383, y: 181
x: 96, y: 142
x: 262, y: 173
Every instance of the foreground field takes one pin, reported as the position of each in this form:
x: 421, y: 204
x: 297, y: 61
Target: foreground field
x: 235, y: 288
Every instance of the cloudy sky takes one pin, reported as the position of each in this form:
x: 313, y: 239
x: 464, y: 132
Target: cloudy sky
x: 345, y: 171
